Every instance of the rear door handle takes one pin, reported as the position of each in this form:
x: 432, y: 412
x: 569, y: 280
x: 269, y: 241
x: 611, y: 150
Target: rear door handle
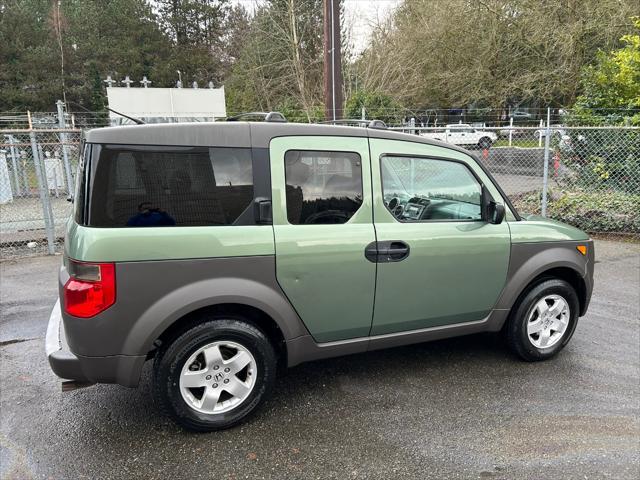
x: 371, y: 252
x: 388, y: 251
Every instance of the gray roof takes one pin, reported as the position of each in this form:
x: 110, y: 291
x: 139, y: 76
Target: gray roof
x: 238, y: 134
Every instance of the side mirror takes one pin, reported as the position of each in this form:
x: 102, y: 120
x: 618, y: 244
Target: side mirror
x: 495, y: 212
x: 262, y: 211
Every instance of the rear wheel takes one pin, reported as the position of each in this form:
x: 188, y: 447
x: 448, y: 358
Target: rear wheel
x: 544, y: 320
x: 214, y: 375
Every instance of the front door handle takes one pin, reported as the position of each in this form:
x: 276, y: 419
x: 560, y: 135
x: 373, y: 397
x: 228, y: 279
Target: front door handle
x: 388, y: 251
x: 393, y: 251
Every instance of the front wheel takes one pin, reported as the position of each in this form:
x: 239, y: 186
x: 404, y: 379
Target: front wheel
x: 214, y: 375
x: 544, y: 320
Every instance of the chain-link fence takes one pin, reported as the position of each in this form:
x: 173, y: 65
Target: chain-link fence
x: 588, y: 177
x: 585, y: 176
x: 37, y: 169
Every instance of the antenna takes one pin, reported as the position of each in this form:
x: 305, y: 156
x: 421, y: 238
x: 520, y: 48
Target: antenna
x: 133, y: 119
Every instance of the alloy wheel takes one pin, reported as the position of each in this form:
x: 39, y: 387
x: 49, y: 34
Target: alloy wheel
x: 548, y: 321
x: 218, y: 377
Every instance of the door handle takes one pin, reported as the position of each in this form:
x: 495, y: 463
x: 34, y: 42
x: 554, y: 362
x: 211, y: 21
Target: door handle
x: 371, y: 252
x: 395, y: 251
x: 388, y: 251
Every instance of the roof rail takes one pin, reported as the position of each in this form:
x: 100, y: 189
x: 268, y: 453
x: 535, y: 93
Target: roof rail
x: 338, y: 121
x: 265, y: 116
x: 358, y: 121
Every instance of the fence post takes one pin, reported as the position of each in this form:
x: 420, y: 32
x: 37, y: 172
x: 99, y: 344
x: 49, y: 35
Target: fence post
x: 63, y: 140
x: 14, y: 164
x: 540, y: 136
x: 25, y: 176
x: 545, y: 167
x: 46, y: 169
x: 44, y: 194
x: 510, y: 130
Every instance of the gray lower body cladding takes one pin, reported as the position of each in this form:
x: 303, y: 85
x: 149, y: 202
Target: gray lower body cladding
x: 152, y: 295
x: 122, y: 369
x: 530, y: 260
x: 305, y: 349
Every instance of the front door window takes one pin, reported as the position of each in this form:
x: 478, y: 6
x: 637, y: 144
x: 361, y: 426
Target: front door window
x: 419, y: 189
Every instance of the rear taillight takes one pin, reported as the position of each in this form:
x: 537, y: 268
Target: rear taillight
x: 91, y: 288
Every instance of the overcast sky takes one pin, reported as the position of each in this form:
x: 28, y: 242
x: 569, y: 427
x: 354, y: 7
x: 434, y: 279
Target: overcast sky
x: 360, y: 15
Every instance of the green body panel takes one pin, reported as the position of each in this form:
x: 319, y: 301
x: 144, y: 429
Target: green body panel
x: 455, y: 271
x: 322, y: 268
x: 166, y: 243
x: 534, y: 228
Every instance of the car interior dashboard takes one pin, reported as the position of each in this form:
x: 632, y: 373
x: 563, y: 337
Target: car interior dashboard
x: 420, y: 208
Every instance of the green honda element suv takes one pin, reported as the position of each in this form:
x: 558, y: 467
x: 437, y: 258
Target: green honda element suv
x: 224, y: 251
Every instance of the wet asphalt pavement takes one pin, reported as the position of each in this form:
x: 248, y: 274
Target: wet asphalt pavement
x: 459, y: 408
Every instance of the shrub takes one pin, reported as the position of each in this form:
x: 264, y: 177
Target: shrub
x: 378, y: 106
x: 610, y: 211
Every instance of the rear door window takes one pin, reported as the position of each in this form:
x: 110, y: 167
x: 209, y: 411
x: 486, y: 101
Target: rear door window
x: 136, y: 186
x: 322, y: 187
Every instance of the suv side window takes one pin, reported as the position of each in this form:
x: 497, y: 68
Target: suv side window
x: 81, y: 185
x: 427, y: 189
x: 322, y: 187
x: 153, y: 186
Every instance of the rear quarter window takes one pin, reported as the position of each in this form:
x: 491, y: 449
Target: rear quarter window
x: 81, y: 184
x: 135, y: 186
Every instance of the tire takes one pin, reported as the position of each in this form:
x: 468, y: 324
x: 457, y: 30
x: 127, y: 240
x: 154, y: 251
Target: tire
x: 485, y: 142
x: 529, y: 315
x: 223, y: 344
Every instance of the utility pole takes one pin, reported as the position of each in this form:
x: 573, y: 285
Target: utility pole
x: 332, y: 61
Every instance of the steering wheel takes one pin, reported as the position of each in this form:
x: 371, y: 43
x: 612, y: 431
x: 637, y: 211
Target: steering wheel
x: 322, y: 217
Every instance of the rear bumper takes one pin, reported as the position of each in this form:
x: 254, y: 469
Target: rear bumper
x: 121, y: 369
